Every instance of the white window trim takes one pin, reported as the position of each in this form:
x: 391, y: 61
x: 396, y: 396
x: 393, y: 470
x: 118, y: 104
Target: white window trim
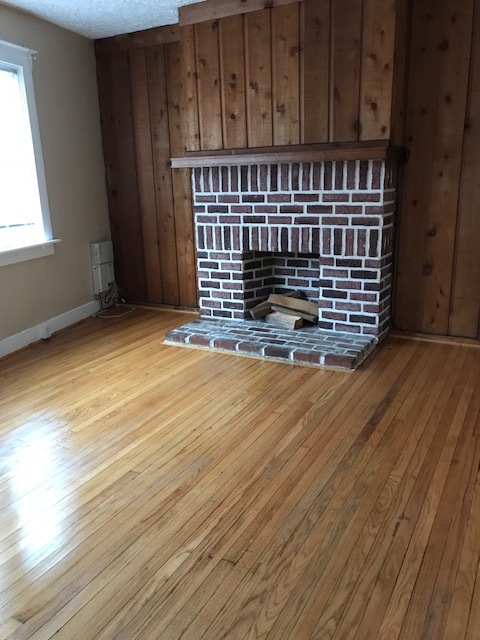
x: 23, y: 57
x: 32, y: 251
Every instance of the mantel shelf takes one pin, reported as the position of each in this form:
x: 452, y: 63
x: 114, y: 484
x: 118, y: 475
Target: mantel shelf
x: 375, y: 150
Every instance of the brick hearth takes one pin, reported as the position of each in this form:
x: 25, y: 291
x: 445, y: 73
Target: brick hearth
x: 311, y: 345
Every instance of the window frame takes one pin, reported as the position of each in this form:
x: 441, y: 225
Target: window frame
x: 18, y: 56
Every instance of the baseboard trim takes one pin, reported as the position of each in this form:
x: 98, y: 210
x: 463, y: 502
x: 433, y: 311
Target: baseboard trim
x: 430, y: 337
x: 33, y: 334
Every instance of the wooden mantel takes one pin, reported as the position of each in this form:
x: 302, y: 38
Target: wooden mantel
x: 373, y: 150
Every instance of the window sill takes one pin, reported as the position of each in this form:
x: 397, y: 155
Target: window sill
x: 30, y: 252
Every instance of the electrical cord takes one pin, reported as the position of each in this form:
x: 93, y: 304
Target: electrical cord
x: 110, y: 300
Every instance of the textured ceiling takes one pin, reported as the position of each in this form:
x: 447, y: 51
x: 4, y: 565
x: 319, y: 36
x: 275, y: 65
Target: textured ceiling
x: 103, y: 18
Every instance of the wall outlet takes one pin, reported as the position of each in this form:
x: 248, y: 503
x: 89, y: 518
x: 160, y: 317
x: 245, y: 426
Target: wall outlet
x: 46, y: 331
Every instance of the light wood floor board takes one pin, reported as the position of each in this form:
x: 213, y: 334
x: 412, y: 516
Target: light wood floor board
x: 149, y: 492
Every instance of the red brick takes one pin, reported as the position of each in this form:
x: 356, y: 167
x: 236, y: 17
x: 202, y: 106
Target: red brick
x: 361, y: 242
x: 341, y: 361
x: 279, y: 197
x: 351, y: 172
x: 228, y: 198
x: 295, y: 241
x: 366, y: 197
x: 250, y: 347
x: 363, y: 174
x: 225, y: 179
x: 273, y: 220
x: 295, y: 170
x: 206, y: 179
x: 254, y: 177
x: 335, y: 273
x: 326, y: 241
x: 375, y: 211
x: 348, y: 306
x: 241, y: 208
x: 339, y: 166
x: 222, y: 313
x: 334, y: 220
x: 306, y: 197
x: 347, y: 210
x: 215, y: 178
x: 236, y: 238
x: 376, y: 174
x: 370, y: 331
x: 233, y: 179
x: 306, y: 171
x: 348, y: 284
x: 305, y: 239
x: 200, y: 341
x: 335, y: 197
x: 347, y: 328
x: 310, y: 357
x: 325, y: 304
x: 178, y: 337
x: 327, y: 176
x: 333, y: 315
x: 277, y: 352
x: 350, y: 242
x: 209, y: 244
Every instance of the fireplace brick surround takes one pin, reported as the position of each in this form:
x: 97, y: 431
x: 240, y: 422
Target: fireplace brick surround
x: 324, y: 228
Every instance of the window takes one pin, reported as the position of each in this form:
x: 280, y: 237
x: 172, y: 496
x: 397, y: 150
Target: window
x: 25, y: 230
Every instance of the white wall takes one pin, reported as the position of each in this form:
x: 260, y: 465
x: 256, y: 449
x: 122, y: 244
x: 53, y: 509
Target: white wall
x: 67, y: 103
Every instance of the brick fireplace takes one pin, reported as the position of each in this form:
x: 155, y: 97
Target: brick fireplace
x: 324, y: 228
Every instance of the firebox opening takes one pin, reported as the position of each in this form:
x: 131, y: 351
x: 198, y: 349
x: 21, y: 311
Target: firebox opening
x: 281, y: 273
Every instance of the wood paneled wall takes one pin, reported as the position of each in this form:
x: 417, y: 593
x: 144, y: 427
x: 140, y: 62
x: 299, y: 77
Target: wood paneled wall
x: 303, y: 72
x: 438, y: 257
x: 311, y: 71
x: 234, y: 74
x: 140, y: 90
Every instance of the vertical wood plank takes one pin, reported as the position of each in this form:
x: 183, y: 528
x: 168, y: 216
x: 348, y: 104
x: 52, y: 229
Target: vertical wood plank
x: 146, y: 185
x: 187, y: 70
x: 181, y: 184
x: 420, y: 133
x: 316, y: 70
x: 163, y: 179
x: 232, y: 64
x: 400, y: 71
x: 258, y: 66
x: 208, y: 84
x: 378, y: 42
x: 454, y: 50
x: 286, y: 74
x: 345, y: 70
x: 465, y: 309
x: 301, y: 39
x: 129, y: 259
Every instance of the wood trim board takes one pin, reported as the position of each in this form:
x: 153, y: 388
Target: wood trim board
x: 215, y: 9
x: 378, y: 150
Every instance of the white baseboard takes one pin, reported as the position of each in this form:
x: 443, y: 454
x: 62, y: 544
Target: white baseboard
x: 24, y: 338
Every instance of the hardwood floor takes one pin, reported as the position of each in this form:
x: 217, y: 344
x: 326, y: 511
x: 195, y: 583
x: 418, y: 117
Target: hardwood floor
x: 154, y: 492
